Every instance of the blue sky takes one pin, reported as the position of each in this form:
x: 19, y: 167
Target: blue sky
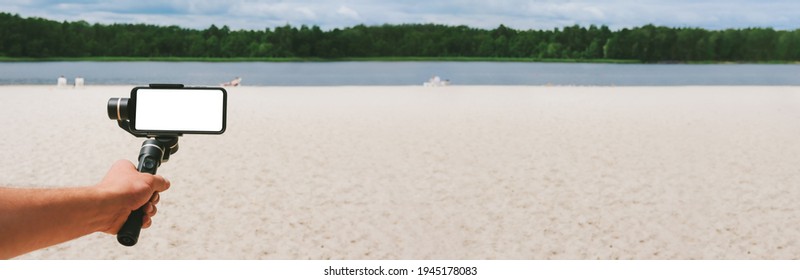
x: 543, y: 14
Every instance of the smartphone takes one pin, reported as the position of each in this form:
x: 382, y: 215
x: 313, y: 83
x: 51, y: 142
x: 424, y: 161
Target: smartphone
x: 184, y: 110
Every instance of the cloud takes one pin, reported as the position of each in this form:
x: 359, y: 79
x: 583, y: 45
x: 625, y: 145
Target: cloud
x: 328, y: 14
x: 306, y: 12
x: 347, y: 12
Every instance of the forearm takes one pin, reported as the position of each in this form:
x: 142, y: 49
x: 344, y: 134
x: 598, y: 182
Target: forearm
x: 31, y: 219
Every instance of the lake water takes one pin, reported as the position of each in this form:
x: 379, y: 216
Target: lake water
x: 399, y: 73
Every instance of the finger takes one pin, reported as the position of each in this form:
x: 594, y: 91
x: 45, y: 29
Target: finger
x: 147, y: 222
x: 160, y: 184
x: 155, y: 198
x: 150, y: 210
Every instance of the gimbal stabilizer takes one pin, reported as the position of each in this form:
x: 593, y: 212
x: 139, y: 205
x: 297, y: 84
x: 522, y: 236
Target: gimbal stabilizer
x: 160, y: 143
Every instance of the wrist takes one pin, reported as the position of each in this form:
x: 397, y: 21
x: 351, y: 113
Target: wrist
x: 105, y: 207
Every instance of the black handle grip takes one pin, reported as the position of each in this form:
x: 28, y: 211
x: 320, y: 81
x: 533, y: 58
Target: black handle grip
x: 128, y: 235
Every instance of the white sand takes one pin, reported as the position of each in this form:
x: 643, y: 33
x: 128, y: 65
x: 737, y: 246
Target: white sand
x: 441, y: 173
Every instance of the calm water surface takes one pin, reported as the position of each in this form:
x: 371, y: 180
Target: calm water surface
x: 399, y: 73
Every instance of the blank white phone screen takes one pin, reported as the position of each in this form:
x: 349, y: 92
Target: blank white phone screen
x: 179, y: 110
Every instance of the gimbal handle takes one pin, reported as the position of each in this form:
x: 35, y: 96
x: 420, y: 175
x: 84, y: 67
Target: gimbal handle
x: 152, y: 153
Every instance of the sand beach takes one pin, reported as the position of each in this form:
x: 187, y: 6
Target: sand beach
x: 458, y: 172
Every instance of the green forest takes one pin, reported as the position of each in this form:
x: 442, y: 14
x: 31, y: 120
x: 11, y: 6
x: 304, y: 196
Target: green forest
x: 38, y: 38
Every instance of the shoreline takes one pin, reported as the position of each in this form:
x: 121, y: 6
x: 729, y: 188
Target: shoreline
x: 4, y: 59
x: 317, y: 59
x: 378, y: 59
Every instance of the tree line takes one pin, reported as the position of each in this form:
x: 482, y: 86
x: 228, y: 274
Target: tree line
x: 43, y: 38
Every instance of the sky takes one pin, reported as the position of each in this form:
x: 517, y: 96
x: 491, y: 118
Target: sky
x: 328, y: 14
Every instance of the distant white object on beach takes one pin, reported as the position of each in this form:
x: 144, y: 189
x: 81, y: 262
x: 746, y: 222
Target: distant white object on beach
x: 234, y: 83
x: 78, y: 81
x: 435, y: 81
x: 62, y: 82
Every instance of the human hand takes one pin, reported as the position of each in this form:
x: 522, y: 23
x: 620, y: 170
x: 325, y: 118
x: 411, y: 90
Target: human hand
x: 124, y: 189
